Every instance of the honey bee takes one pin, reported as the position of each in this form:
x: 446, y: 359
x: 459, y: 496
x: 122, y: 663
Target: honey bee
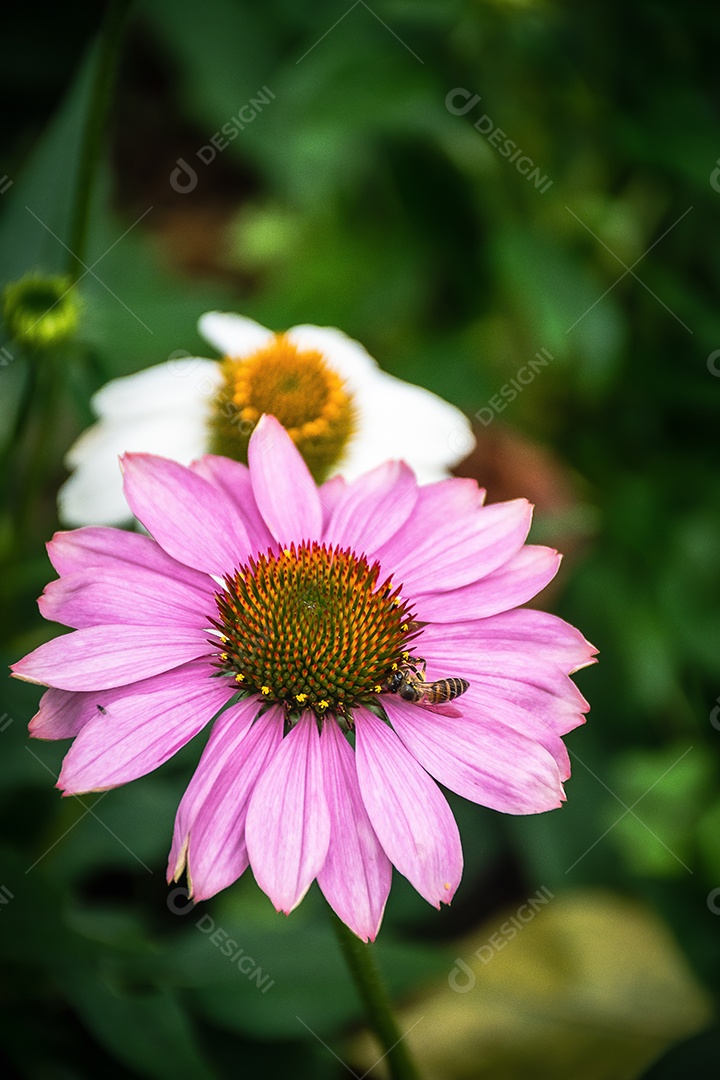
x: 412, y: 686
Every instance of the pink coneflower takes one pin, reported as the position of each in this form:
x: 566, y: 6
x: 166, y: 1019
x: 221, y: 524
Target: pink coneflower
x: 306, y: 622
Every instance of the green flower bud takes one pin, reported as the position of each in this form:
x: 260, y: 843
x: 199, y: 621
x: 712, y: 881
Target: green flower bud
x: 40, y: 311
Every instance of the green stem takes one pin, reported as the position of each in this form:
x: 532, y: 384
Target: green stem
x: 111, y: 33
x: 22, y: 415
x: 43, y: 448
x: 366, y: 976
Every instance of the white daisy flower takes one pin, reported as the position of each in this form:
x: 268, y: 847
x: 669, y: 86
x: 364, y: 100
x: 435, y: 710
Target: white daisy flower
x: 341, y: 410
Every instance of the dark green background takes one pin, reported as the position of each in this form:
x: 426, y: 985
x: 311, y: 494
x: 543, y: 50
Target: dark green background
x: 356, y: 199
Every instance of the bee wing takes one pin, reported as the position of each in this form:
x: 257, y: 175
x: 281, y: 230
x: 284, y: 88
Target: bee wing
x: 444, y: 709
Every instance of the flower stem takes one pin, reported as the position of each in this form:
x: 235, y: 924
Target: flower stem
x: 108, y: 47
x: 368, y: 983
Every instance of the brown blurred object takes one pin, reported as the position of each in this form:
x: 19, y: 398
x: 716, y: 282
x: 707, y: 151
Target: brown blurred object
x: 512, y: 466
x: 592, y: 986
x: 151, y: 135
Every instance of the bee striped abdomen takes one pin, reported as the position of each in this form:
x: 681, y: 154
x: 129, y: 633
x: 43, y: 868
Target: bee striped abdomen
x: 436, y: 693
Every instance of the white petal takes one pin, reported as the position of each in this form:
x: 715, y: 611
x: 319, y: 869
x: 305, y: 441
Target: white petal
x: 233, y: 335
x: 176, y: 384
x: 93, y: 494
x: 351, y: 361
x: 400, y: 420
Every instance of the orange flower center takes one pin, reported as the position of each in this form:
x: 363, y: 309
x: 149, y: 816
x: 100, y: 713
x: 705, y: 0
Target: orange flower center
x: 300, y: 389
x: 311, y: 628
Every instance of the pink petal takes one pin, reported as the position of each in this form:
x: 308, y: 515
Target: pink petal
x: 101, y: 657
x: 449, y: 658
x: 373, y: 508
x: 545, y: 692
x: 233, y: 479
x: 63, y: 714
x: 466, y: 549
x: 437, y: 504
x: 330, y: 494
x: 285, y: 492
x: 520, y: 677
x: 228, y: 731
x: 82, y: 549
x: 456, y: 658
x: 514, y: 583
x: 288, y: 822
x: 138, y: 732
x: 211, y: 818
x: 529, y: 632
x: 477, y: 704
x: 449, y: 498
x: 483, y: 761
x: 124, y: 595
x: 192, y: 520
x: 409, y: 814
x: 355, y: 878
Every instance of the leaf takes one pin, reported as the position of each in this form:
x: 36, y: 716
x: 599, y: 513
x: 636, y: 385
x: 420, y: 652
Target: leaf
x: 559, y: 297
x: 665, y: 788
x: 147, y: 1031
x: 39, y: 207
x: 32, y: 924
x: 128, y: 828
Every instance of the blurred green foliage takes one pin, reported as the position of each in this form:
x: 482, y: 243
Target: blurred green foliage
x: 357, y: 198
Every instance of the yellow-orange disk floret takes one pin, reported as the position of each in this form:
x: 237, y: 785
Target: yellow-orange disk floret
x: 312, y: 628
x: 299, y: 389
